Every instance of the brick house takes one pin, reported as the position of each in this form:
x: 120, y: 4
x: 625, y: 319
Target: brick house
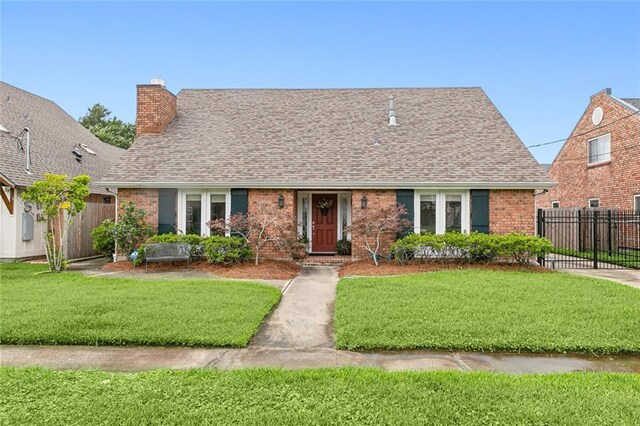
x: 599, y: 164
x: 37, y: 137
x: 447, y: 154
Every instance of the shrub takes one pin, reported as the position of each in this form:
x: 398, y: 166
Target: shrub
x: 195, y: 241
x: 219, y: 249
x: 103, y: 236
x: 475, y: 247
x: 343, y: 247
x: 483, y: 247
x: 522, y: 248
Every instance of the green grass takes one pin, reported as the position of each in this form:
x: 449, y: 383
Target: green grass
x: 343, y: 396
x: 70, y: 308
x: 630, y: 259
x: 488, y: 311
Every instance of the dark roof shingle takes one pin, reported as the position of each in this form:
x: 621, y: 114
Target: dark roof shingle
x: 53, y: 135
x: 326, y: 137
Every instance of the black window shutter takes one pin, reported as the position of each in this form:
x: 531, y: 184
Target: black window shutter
x: 405, y: 197
x: 480, y: 210
x: 167, y: 211
x: 239, y: 201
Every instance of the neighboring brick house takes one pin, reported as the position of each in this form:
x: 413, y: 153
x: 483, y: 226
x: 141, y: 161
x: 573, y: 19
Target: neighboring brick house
x: 599, y: 164
x: 447, y: 154
x: 38, y: 137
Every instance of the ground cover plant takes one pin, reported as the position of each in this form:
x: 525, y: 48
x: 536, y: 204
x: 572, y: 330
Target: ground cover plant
x: 488, y: 311
x: 74, y: 309
x: 339, y: 396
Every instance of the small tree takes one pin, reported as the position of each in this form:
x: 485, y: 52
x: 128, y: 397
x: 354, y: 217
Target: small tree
x: 369, y: 226
x: 265, y: 223
x: 127, y: 233
x: 59, y: 201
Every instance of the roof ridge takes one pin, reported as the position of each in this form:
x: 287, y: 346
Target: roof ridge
x: 332, y: 88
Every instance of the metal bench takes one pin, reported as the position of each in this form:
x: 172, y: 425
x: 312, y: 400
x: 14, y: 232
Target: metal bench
x: 167, y: 252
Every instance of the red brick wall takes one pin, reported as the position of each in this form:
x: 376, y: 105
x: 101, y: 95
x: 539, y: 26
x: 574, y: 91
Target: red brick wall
x: 290, y: 206
x: 146, y: 199
x: 156, y: 107
x: 376, y: 199
x: 511, y: 210
x: 614, y: 183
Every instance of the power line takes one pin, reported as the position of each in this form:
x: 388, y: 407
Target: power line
x: 584, y: 133
x: 584, y: 157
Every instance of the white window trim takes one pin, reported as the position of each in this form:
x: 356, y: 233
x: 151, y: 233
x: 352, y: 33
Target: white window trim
x: 309, y: 194
x: 595, y: 163
x: 594, y: 199
x: 555, y: 202
x: 441, y: 219
x: 205, y: 196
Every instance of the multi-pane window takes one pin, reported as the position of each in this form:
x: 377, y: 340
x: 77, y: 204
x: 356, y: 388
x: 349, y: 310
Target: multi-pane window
x: 194, y: 214
x: 600, y: 149
x: 438, y: 212
x: 217, y: 208
x: 197, y: 208
x: 428, y: 214
x: 453, y: 213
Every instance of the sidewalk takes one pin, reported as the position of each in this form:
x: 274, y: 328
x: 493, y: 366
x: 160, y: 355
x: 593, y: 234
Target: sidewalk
x: 149, y: 358
x: 630, y: 277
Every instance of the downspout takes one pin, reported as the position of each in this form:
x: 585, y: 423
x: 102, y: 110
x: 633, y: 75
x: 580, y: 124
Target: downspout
x: 115, y: 251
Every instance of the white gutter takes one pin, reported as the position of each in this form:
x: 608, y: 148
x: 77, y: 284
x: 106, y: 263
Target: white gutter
x: 332, y: 185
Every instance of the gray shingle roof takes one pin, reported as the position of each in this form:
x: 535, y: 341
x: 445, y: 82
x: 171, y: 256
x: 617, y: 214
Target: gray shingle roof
x: 319, y: 137
x: 633, y: 101
x: 53, y: 134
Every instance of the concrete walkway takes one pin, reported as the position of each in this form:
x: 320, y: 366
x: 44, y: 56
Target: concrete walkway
x: 304, y: 317
x: 149, y: 358
x: 630, y: 277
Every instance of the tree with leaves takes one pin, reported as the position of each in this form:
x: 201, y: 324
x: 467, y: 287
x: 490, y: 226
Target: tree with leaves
x: 59, y: 201
x: 371, y: 227
x: 109, y: 130
x: 265, y: 223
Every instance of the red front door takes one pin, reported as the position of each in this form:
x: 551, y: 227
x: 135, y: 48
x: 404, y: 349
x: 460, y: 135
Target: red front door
x: 324, y: 222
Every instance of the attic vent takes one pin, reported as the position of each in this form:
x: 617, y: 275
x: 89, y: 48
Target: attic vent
x: 392, y: 113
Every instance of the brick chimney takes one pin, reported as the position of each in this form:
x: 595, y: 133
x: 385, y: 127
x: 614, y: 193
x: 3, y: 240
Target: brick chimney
x: 156, y: 107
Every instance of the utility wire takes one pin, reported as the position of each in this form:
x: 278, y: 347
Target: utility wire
x: 584, y: 133
x: 585, y: 157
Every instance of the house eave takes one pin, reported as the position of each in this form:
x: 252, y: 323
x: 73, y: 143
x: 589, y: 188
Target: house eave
x: 332, y: 185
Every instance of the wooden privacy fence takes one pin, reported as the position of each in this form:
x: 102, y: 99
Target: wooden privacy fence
x: 79, y: 243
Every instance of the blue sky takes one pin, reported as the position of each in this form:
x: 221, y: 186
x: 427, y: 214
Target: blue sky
x: 538, y: 62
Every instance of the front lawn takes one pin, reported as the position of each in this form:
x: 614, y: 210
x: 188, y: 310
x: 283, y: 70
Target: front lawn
x: 344, y: 396
x: 627, y: 259
x: 488, y: 311
x: 70, y: 308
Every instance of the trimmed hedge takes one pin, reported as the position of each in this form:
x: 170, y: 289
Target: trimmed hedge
x: 474, y: 247
x: 216, y: 249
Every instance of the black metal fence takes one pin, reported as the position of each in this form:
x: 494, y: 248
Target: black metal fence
x: 591, y: 238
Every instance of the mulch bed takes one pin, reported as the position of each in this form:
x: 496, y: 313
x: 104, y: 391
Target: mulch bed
x: 368, y: 268
x: 266, y: 270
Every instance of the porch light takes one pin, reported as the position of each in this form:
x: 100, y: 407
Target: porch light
x: 363, y: 202
x: 281, y: 201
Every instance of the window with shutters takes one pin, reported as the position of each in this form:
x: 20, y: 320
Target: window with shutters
x: 599, y: 149
x: 437, y: 212
x: 197, y: 207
